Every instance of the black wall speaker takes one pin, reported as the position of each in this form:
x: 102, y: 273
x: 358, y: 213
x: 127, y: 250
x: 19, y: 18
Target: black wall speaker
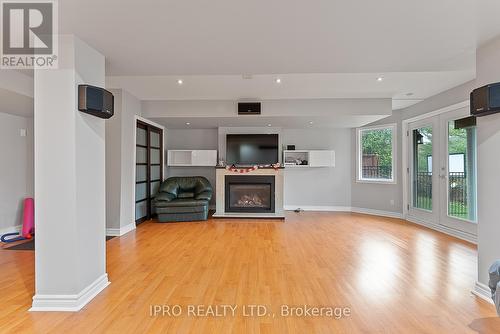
x: 95, y: 101
x: 248, y: 108
x: 485, y: 100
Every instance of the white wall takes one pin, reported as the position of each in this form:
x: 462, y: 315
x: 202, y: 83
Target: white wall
x: 319, y: 187
x: 90, y: 155
x: 295, y: 107
x: 488, y: 191
x: 16, y: 169
x: 120, y: 164
x: 113, y: 164
x: 376, y: 196
x: 187, y: 139
x: 14, y: 103
x: 15, y: 81
x: 131, y: 106
x: 325, y: 187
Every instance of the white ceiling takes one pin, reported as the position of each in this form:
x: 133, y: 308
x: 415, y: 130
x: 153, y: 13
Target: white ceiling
x: 295, y: 122
x: 180, y: 37
x: 404, y: 88
x: 322, y: 48
x: 15, y: 104
x: 319, y: 48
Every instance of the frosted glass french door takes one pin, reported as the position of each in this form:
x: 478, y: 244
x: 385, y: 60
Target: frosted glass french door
x: 442, y: 171
x: 148, y: 169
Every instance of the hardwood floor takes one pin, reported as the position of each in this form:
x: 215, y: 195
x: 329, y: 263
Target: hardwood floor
x: 393, y: 276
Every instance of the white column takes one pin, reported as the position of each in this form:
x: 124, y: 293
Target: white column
x: 488, y: 178
x: 120, y: 164
x: 70, y: 257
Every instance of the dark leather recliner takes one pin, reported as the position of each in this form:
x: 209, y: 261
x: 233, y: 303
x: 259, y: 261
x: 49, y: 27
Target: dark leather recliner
x: 181, y: 199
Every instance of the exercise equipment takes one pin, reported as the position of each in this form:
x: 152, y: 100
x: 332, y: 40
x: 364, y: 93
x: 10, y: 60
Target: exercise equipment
x: 494, y: 284
x: 28, y: 228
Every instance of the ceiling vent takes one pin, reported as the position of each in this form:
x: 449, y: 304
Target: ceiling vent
x: 248, y: 108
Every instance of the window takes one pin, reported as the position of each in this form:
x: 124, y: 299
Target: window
x: 376, y: 154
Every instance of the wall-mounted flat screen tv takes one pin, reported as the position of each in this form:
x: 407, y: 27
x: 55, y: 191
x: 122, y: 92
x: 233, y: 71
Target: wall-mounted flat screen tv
x: 251, y: 149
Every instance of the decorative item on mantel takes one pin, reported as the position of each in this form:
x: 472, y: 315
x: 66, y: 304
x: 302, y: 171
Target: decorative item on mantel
x: 235, y: 169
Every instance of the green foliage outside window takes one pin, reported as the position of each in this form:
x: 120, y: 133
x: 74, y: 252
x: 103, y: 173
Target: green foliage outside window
x: 378, y: 142
x: 457, y: 144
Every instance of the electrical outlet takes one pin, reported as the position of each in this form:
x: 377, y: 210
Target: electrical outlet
x: 22, y: 132
x: 392, y: 202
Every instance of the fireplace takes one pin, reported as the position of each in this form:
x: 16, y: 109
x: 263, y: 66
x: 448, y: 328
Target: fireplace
x: 249, y: 193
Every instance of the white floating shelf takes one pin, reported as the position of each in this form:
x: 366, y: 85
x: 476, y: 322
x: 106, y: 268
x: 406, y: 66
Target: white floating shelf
x: 191, y: 158
x: 314, y: 158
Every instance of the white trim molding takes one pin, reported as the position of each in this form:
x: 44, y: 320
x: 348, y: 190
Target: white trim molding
x: 444, y: 229
x: 69, y: 303
x: 453, y: 107
x: 381, y: 213
x: 359, y: 176
x: 404, y: 147
x: 317, y: 208
x: 118, y: 232
x: 482, y: 291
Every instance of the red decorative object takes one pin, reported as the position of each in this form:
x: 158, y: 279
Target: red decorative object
x: 251, y: 169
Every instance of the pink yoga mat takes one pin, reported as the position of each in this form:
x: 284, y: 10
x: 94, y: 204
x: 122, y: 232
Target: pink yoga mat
x: 28, y: 218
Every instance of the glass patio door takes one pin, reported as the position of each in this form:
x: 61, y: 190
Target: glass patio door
x: 458, y: 172
x: 423, y: 170
x: 442, y: 171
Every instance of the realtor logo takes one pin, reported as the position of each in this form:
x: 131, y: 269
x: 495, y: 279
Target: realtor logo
x: 29, y: 36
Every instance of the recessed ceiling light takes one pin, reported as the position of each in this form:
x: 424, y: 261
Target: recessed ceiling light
x: 187, y: 123
x: 311, y: 122
x: 269, y: 125
x: 180, y: 82
x: 380, y: 79
x: 278, y: 80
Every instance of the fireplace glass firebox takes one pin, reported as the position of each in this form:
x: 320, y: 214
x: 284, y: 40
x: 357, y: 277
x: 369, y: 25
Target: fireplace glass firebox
x: 249, y: 194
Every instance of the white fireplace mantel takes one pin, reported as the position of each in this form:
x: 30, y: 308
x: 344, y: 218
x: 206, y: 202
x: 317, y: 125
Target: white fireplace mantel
x: 278, y: 193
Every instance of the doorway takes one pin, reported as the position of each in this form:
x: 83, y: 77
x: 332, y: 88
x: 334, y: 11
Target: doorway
x: 441, y: 169
x: 148, y: 168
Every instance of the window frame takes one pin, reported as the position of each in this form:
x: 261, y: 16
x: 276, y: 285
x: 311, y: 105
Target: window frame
x: 359, y: 152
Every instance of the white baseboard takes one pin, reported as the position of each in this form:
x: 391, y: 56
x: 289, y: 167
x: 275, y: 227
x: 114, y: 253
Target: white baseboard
x: 69, y: 303
x: 374, y: 212
x: 482, y: 291
x: 118, y: 232
x: 344, y: 209
x: 445, y: 229
x: 317, y: 208
x: 12, y: 229
x: 441, y: 228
